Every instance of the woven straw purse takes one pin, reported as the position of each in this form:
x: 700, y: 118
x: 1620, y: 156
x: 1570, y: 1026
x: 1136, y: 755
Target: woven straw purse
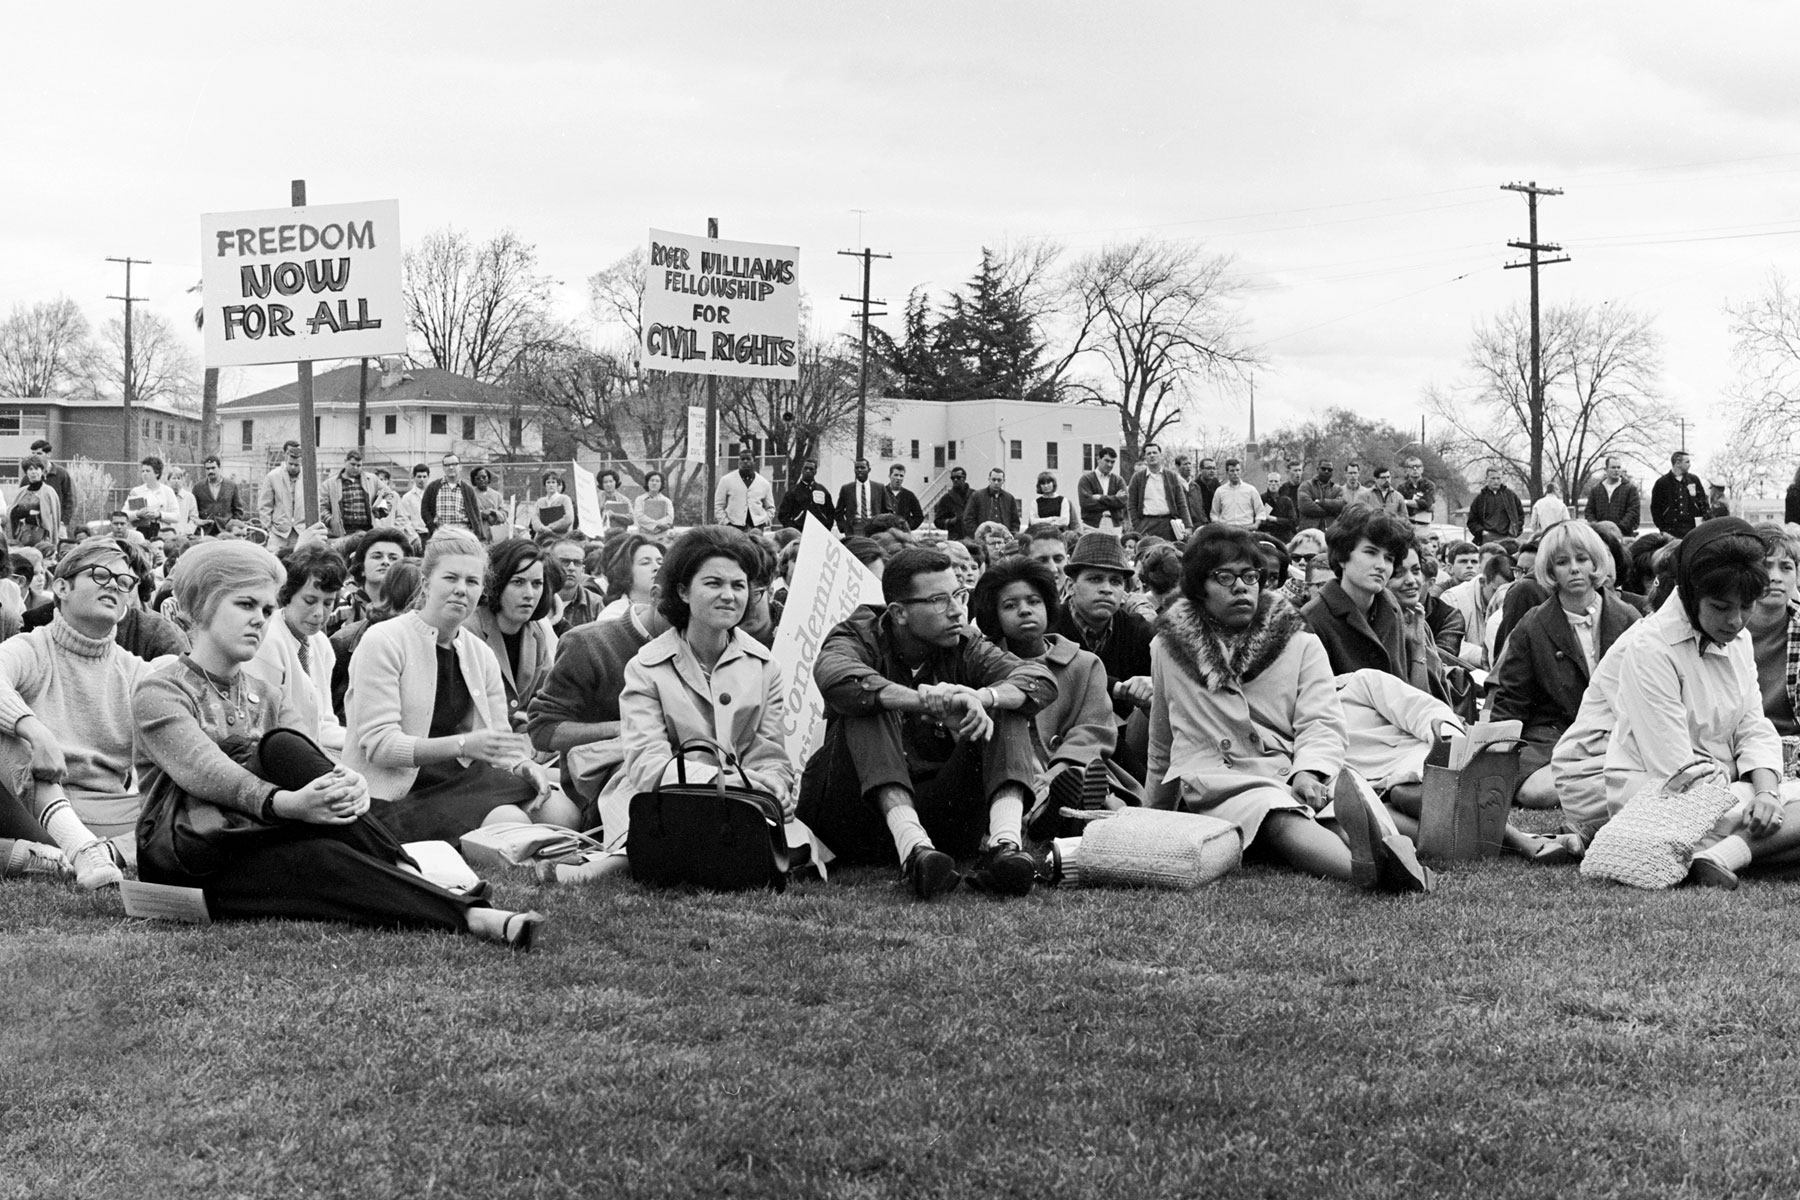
x: 1149, y: 848
x: 1651, y: 841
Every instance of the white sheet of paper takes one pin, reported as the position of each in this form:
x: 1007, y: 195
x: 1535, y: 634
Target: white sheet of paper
x: 164, y: 902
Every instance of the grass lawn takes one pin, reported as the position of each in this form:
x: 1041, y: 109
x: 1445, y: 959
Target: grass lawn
x: 1521, y: 1033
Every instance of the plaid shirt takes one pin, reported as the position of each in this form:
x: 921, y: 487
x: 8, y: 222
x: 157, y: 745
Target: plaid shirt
x: 355, y: 503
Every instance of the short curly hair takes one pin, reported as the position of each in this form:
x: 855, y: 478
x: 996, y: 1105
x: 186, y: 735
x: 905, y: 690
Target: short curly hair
x: 1212, y: 547
x: 684, y: 560
x: 984, y: 605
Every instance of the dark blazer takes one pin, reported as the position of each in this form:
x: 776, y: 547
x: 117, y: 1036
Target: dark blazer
x: 1353, y: 641
x: 1495, y: 513
x: 1623, y: 509
x: 1677, y: 505
x: 1099, y: 499
x: 221, y: 507
x: 1173, y: 488
x: 1124, y: 652
x: 1541, y: 678
x: 903, y: 504
x: 985, y: 506
x: 1448, y: 626
x: 805, y: 498
x: 846, y: 505
x: 947, y: 513
x: 1792, y: 516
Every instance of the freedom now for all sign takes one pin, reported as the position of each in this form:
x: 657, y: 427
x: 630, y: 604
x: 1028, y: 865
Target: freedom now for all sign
x: 299, y: 284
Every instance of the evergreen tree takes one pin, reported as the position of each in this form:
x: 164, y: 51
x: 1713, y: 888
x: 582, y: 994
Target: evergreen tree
x: 984, y: 345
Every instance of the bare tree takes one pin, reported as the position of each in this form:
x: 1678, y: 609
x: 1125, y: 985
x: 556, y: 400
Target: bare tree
x: 1765, y: 398
x: 794, y: 417
x: 163, y: 367
x: 1161, y: 317
x: 476, y: 308
x: 1601, y: 371
x: 45, y: 349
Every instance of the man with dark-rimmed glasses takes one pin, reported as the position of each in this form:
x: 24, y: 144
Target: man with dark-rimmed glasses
x: 928, y: 737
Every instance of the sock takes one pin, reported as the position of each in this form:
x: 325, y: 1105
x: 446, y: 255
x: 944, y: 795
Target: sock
x: 1732, y: 853
x: 909, y: 834
x: 65, y: 828
x: 1006, y: 818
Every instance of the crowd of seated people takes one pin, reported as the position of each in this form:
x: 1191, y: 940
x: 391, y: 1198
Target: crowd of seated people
x: 354, y: 693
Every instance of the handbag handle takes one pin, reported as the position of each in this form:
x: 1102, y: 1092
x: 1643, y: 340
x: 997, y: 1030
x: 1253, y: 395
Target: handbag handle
x: 719, y: 753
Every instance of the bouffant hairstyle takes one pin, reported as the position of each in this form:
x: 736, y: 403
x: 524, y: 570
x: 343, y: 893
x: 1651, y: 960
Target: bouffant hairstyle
x: 1721, y: 560
x: 1360, y: 521
x: 619, y: 559
x: 1213, y: 547
x: 1565, y: 537
x: 404, y: 584
x: 211, y: 571
x: 314, y: 561
x: 984, y: 604
x: 448, y: 542
x: 506, y: 561
x: 603, y: 476
x: 1642, y: 552
x: 685, y: 558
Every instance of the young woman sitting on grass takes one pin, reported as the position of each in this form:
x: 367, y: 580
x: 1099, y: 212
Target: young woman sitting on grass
x: 1679, y: 686
x: 427, y: 714
x: 1774, y: 622
x: 702, y: 678
x: 511, y: 618
x: 1552, y: 652
x: 631, y: 568
x: 1015, y: 604
x: 1245, y: 723
x: 297, y: 839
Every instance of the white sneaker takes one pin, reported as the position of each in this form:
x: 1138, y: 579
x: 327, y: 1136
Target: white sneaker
x: 35, y: 858
x: 97, y: 866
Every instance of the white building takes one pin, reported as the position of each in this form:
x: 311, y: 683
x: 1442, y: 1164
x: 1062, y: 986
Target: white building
x: 415, y: 414
x: 928, y: 437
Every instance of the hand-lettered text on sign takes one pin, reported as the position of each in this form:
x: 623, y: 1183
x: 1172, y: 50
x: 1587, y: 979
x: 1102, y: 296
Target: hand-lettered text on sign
x: 721, y: 308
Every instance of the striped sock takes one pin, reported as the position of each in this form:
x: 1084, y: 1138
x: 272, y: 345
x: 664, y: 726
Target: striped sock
x: 65, y: 828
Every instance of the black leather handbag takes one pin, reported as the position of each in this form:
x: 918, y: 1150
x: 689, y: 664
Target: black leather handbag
x: 719, y: 836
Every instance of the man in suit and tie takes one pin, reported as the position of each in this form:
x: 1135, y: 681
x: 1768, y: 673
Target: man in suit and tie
x: 896, y: 499
x: 857, y: 501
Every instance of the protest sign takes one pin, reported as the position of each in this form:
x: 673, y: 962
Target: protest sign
x: 721, y: 308
x: 587, y: 502
x: 696, y: 433
x: 299, y: 284
x: 828, y: 584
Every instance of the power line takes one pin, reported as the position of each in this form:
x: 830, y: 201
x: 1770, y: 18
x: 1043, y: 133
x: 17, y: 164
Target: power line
x: 862, y: 385
x: 130, y: 374
x: 1533, y: 247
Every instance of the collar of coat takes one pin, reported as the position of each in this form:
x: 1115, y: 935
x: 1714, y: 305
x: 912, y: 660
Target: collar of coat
x: 669, y: 644
x: 1221, y: 660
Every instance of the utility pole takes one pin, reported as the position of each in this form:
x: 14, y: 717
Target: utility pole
x: 712, y: 417
x: 130, y: 376
x: 862, y: 382
x: 1533, y: 247
x: 362, y: 407
x: 309, y: 441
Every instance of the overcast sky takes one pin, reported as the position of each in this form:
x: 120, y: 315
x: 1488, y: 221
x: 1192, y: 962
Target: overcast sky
x: 1349, y: 155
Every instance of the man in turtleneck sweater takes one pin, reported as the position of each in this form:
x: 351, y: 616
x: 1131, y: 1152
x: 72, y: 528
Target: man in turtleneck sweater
x: 65, y: 715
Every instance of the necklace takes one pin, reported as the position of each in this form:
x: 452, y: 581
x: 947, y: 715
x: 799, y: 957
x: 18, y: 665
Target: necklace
x: 230, y: 698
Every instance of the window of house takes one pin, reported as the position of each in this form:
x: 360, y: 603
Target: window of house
x: 249, y: 436
x: 468, y: 424
x: 937, y: 457
x: 1017, y: 449
x: 9, y: 422
x: 515, y: 432
x: 157, y: 425
x: 915, y: 449
x: 887, y: 447
x: 318, y: 429
x: 952, y: 449
x: 390, y: 423
x: 1087, y: 456
x: 440, y: 423
x: 1050, y: 456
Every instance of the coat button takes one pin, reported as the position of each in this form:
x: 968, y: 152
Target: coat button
x: 724, y: 697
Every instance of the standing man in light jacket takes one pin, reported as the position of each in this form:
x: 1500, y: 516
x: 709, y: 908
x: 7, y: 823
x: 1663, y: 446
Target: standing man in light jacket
x: 745, y: 499
x: 1102, y: 494
x: 353, y: 500
x: 281, y: 500
x: 1157, y: 499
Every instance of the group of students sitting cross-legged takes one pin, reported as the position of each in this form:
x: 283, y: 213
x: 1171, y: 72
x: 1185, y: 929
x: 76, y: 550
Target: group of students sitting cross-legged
x: 991, y: 702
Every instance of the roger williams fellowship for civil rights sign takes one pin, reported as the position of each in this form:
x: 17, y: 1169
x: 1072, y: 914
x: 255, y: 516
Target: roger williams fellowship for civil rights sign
x: 299, y: 284
x: 721, y: 308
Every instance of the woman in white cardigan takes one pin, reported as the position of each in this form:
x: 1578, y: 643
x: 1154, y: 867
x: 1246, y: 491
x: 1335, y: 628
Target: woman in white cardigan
x: 702, y: 679
x: 426, y: 713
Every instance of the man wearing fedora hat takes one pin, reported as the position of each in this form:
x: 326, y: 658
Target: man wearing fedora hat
x: 1096, y: 618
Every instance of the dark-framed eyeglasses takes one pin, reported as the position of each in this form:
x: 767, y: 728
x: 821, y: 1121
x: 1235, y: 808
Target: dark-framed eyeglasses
x: 1248, y: 576
x: 123, y: 581
x: 941, y: 601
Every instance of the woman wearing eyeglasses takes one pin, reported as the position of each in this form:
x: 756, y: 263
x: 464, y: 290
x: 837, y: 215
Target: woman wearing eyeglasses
x: 1245, y: 723
x: 704, y: 678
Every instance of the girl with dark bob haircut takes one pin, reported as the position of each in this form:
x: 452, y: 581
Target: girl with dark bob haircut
x: 511, y: 557
x: 984, y: 604
x: 1215, y: 546
x: 685, y: 558
x: 1383, y: 528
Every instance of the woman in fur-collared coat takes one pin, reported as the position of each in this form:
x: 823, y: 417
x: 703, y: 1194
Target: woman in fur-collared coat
x: 1245, y: 725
